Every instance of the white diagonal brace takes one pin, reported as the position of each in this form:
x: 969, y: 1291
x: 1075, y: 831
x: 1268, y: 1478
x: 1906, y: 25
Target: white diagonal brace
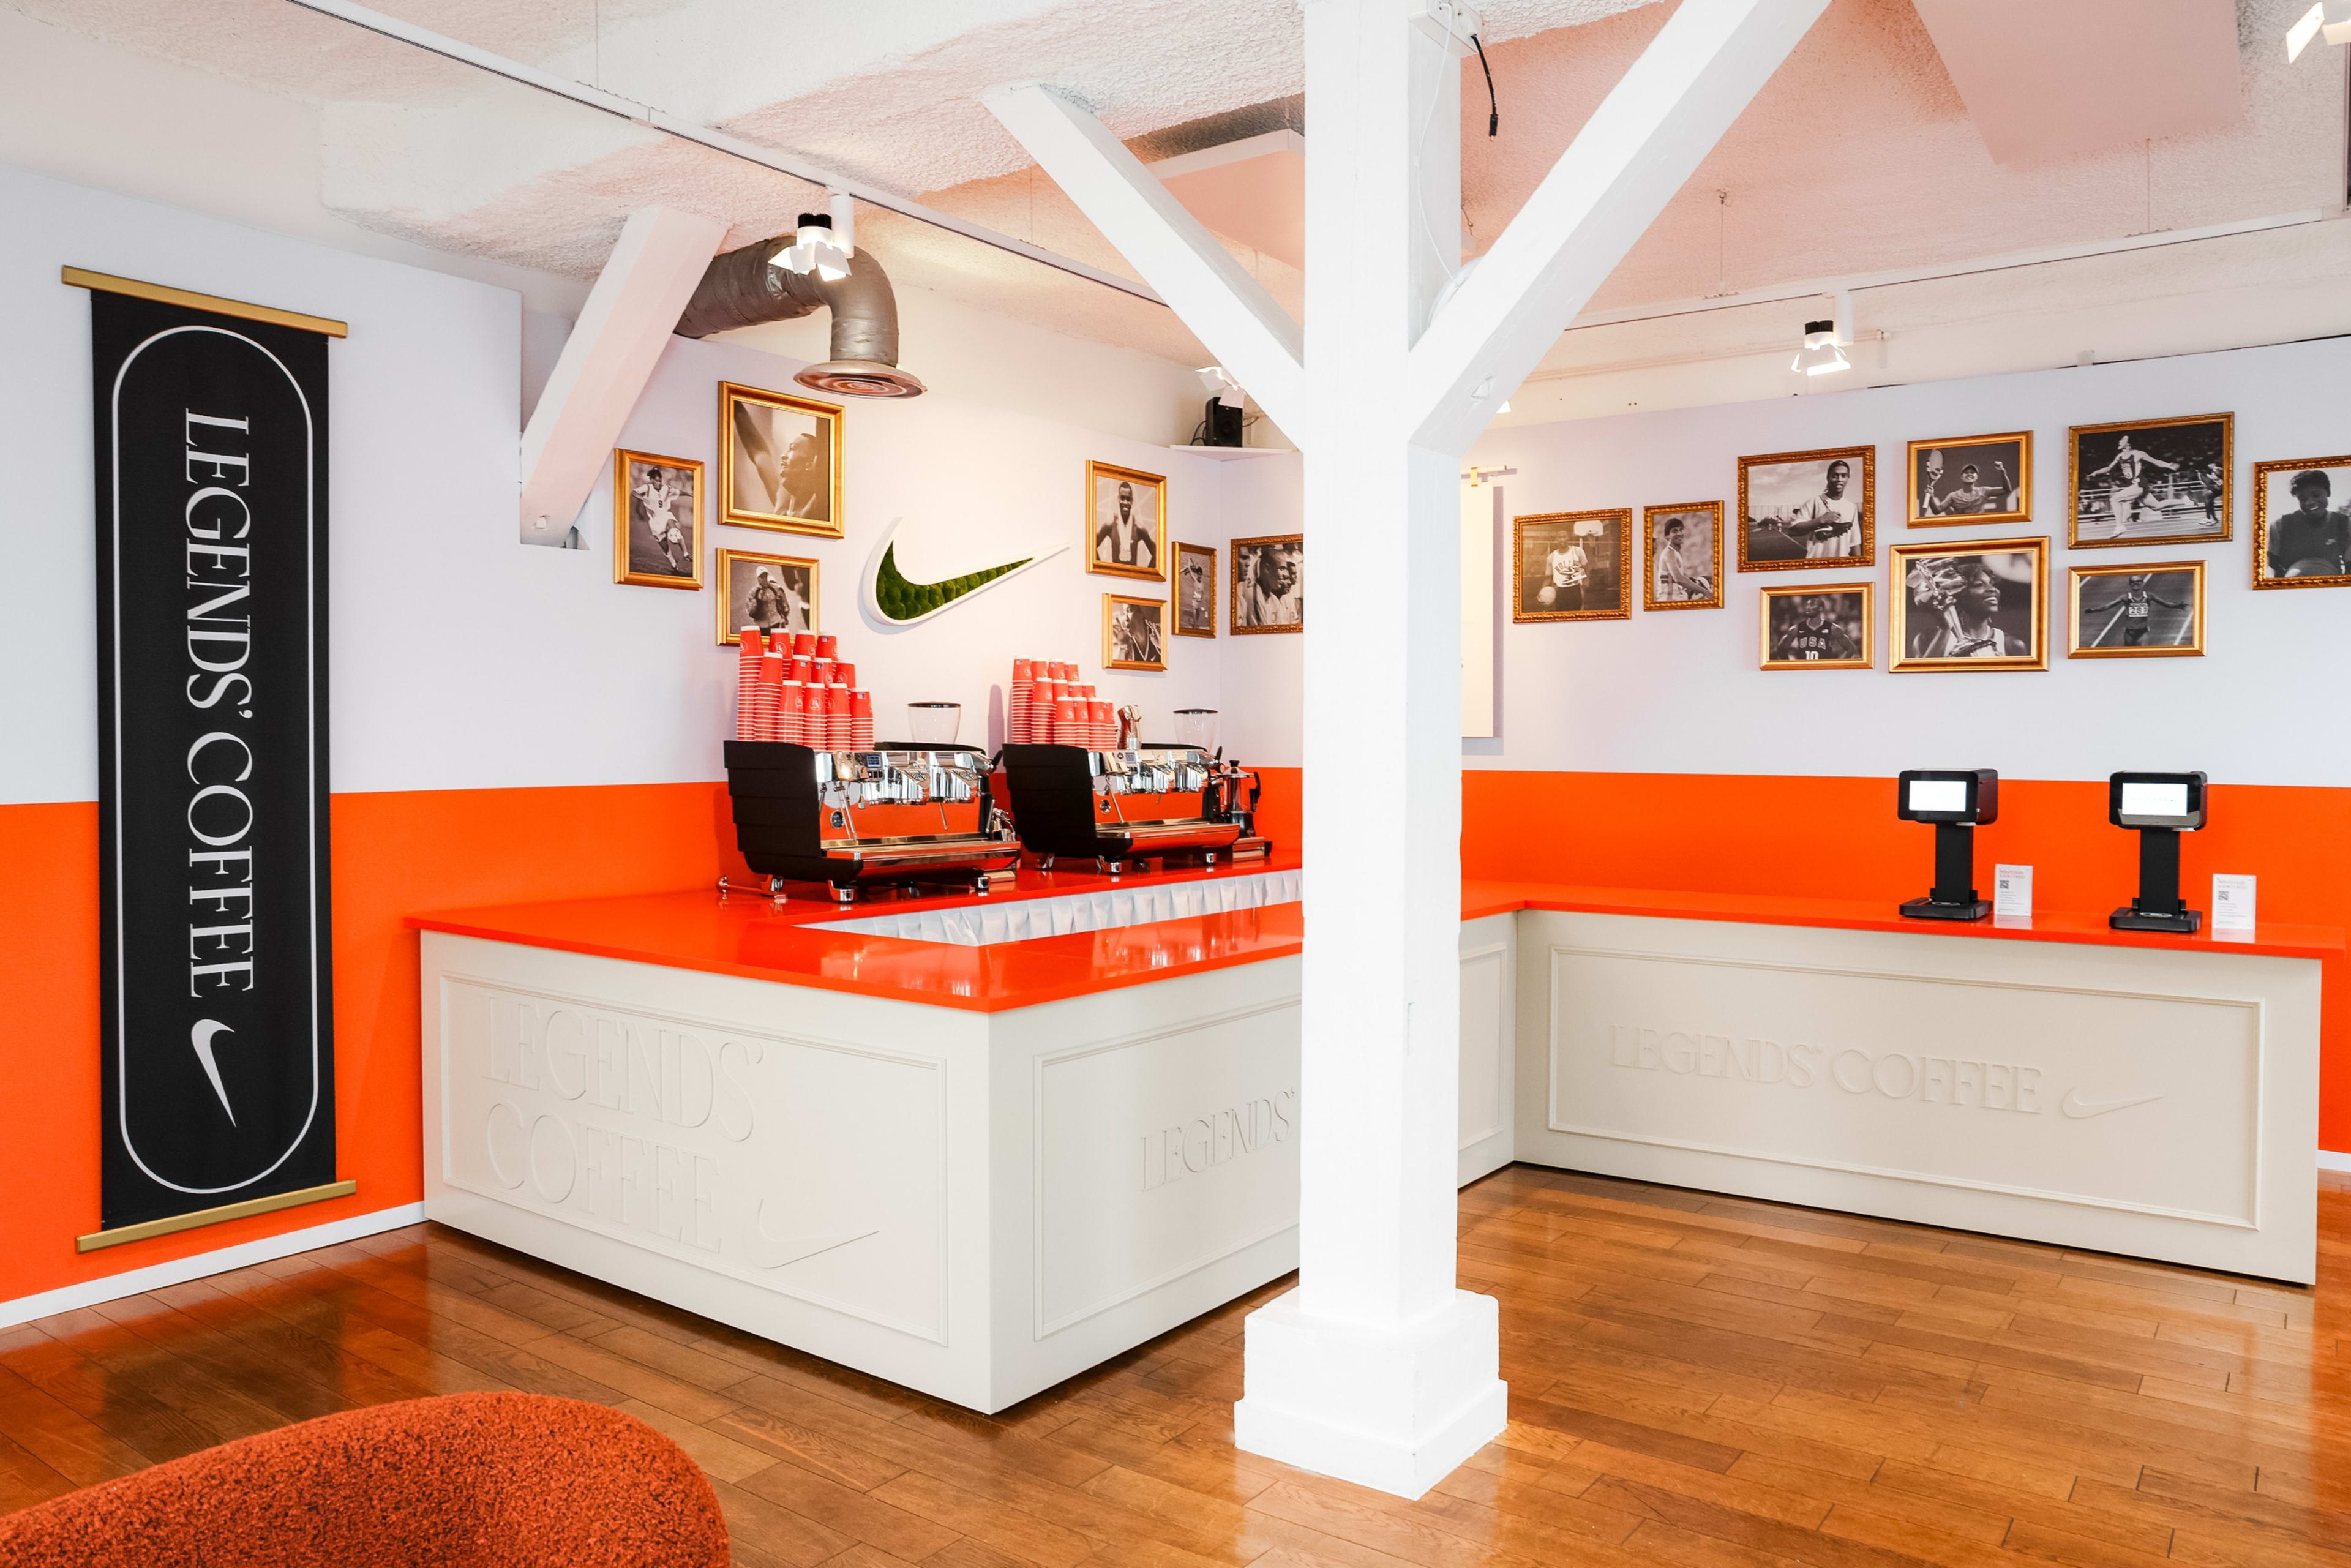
x: 1249, y: 332
x: 606, y: 362
x: 1642, y: 144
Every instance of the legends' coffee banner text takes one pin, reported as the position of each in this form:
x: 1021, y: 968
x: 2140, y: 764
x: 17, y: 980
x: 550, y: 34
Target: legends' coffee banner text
x: 212, y: 654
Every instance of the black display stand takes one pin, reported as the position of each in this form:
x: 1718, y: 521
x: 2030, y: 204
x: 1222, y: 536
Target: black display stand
x: 1954, y: 894
x: 2158, y: 906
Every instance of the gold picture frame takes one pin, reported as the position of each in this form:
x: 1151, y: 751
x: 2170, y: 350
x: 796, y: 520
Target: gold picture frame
x: 2268, y: 552
x: 1934, y: 634
x: 643, y: 544
x: 1131, y: 639
x: 1543, y: 546
x: 1797, y: 644
x: 1104, y: 485
x: 1277, y: 604
x: 1196, y: 567
x: 2217, y: 476
x: 1789, y: 551
x: 768, y: 471
x: 735, y: 599
x: 1651, y: 517
x: 2111, y: 638
x: 1954, y: 457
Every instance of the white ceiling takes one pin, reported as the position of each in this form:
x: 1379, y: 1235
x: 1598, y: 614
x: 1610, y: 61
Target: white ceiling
x: 1861, y: 155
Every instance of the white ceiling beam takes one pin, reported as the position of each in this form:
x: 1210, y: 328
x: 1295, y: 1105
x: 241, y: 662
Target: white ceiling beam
x: 1648, y: 136
x: 606, y: 362
x: 1256, y: 340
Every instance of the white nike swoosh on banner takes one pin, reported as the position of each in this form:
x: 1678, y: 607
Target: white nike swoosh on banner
x: 2079, y: 1109
x: 200, y: 1037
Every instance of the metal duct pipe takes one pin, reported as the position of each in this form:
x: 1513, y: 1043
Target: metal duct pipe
x: 741, y: 289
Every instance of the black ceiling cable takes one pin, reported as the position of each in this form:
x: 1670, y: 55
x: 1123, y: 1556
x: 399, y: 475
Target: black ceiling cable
x: 1493, y: 105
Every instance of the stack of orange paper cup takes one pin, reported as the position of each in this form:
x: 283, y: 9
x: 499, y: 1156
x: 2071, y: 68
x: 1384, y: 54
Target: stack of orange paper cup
x: 860, y: 720
x: 746, y: 684
x: 825, y: 645
x: 839, y: 728
x: 1016, y: 703
x: 767, y: 718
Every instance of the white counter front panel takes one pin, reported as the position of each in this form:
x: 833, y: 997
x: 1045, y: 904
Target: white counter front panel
x: 2147, y: 1100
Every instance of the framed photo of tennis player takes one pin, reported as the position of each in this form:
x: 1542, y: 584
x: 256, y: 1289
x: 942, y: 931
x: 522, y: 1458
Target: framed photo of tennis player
x: 2143, y: 610
x: 1980, y: 605
x: 1799, y: 510
x: 777, y: 593
x: 779, y: 461
x: 1972, y: 479
x: 2151, y: 482
x: 1682, y: 548
x: 1135, y: 633
x: 657, y: 521
x: 1572, y: 566
x: 1818, y: 626
x: 2302, y: 523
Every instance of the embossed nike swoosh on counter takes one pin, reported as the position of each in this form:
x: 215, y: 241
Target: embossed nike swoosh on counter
x: 2079, y: 1109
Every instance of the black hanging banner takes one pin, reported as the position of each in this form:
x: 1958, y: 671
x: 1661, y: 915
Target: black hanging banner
x: 218, y: 1028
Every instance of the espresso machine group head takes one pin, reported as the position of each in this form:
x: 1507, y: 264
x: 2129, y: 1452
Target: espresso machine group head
x: 2161, y: 806
x: 1957, y: 801
x: 1117, y: 806
x: 905, y: 814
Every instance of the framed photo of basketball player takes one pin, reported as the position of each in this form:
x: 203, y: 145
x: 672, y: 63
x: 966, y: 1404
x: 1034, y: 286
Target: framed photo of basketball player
x: 657, y: 521
x: 1135, y: 633
x: 1980, y: 605
x: 1818, y: 626
x: 1973, y: 479
x: 779, y: 461
x: 2151, y: 482
x: 2302, y: 523
x: 773, y: 592
x: 1126, y: 522
x: 1805, y: 509
x: 1269, y: 584
x: 2144, y: 610
x: 1195, y: 590
x: 1682, y: 547
x: 1572, y: 566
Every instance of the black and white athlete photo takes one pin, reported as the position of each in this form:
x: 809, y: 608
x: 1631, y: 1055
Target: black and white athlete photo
x: 2152, y: 481
x: 1817, y: 627
x: 1799, y: 509
x: 2137, y: 610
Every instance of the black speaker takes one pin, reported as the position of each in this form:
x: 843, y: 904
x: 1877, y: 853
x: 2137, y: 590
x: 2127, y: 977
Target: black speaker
x: 1224, y: 423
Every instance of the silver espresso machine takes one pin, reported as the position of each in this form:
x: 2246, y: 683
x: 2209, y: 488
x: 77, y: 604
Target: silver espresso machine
x: 905, y: 816
x: 1117, y: 807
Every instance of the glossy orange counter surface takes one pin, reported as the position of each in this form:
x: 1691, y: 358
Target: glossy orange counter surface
x: 2273, y: 941
x: 752, y: 936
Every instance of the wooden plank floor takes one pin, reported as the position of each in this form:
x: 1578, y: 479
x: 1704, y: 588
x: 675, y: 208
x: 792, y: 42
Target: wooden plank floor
x: 1694, y: 1380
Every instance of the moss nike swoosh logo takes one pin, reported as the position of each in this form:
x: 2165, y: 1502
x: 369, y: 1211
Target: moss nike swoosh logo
x: 895, y: 599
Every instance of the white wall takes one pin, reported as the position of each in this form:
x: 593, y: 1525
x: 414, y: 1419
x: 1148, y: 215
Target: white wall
x: 462, y: 659
x: 1681, y: 693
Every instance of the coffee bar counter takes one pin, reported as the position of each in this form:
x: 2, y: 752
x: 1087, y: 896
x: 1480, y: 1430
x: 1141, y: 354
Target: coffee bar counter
x: 976, y: 1146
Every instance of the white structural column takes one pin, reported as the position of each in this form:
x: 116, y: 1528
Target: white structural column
x: 660, y: 254
x: 1376, y: 1368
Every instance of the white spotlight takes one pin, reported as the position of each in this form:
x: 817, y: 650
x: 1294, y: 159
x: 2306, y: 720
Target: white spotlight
x: 814, y: 249
x: 1821, y: 355
x: 1218, y: 382
x: 2298, y: 36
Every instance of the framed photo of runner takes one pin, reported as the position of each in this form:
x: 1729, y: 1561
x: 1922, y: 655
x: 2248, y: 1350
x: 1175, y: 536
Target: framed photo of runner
x: 1126, y: 522
x: 2302, y: 523
x: 1195, y: 590
x: 1682, y: 548
x: 2145, y: 610
x: 1269, y: 584
x: 1818, y: 626
x: 1972, y: 479
x: 2151, y: 482
x: 657, y: 521
x: 1572, y: 566
x: 773, y: 592
x: 779, y: 461
x: 1981, y: 605
x: 1135, y: 633
x: 1806, y: 509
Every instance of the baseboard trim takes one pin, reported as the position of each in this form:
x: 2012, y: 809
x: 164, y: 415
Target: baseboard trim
x: 2328, y: 1160
x: 178, y: 1270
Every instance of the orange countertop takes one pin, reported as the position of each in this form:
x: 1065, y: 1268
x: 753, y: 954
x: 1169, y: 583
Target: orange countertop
x: 2270, y: 941
x: 750, y: 936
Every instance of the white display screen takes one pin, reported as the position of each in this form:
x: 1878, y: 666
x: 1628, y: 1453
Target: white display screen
x: 1938, y: 795
x: 2154, y: 799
